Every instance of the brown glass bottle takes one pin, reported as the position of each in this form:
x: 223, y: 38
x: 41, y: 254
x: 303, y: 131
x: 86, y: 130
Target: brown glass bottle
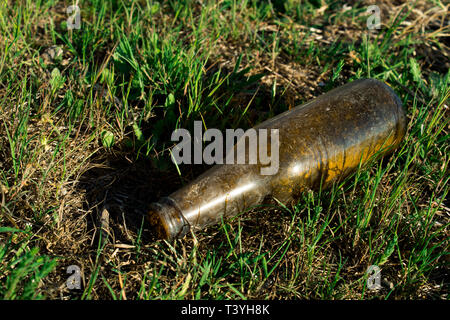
x: 320, y: 142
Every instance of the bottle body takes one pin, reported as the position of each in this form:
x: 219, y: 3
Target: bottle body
x: 319, y: 143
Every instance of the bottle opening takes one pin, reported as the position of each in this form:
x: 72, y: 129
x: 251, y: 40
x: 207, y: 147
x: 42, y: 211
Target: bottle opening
x: 166, y: 220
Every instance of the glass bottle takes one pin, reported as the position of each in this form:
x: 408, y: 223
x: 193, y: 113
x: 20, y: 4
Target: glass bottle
x: 319, y: 143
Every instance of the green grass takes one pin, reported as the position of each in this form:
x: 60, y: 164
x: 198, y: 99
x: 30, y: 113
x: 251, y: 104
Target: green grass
x: 91, y: 127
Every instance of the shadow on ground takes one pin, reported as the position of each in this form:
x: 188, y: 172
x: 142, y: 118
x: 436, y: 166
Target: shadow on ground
x: 125, y: 189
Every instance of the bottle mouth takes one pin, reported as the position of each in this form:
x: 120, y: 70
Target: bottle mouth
x: 166, y: 220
